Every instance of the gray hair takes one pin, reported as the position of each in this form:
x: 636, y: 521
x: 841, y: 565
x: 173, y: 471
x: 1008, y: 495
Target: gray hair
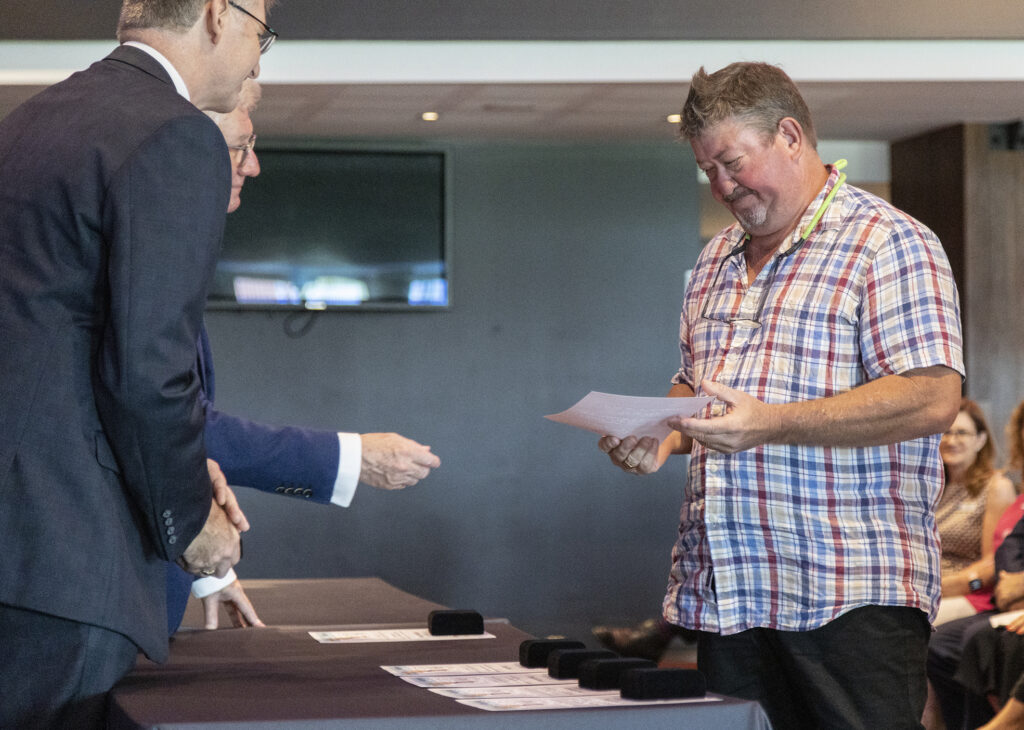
x: 759, y: 94
x: 248, y: 100
x: 176, y: 15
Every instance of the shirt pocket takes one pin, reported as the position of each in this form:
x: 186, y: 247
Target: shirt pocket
x: 812, y: 347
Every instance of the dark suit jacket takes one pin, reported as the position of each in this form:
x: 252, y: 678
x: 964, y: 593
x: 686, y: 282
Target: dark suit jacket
x: 112, y: 197
x: 296, y: 462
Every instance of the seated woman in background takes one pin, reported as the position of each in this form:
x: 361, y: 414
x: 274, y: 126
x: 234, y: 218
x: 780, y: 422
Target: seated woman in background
x: 1015, y: 441
x: 972, y: 501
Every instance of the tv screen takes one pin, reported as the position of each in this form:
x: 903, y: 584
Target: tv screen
x: 327, y: 227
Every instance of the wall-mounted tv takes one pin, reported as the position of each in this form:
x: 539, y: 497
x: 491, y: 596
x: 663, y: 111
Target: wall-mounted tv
x: 325, y: 226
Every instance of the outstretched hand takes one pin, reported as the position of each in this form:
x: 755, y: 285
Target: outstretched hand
x: 391, y: 461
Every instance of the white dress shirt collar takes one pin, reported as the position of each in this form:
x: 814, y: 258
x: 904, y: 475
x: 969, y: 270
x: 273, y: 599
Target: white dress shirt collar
x: 179, y: 82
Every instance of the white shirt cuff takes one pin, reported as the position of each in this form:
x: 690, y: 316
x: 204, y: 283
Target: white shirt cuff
x: 203, y: 587
x: 350, y: 462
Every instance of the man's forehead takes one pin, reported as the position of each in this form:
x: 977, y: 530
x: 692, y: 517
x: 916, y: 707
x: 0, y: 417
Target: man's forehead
x: 236, y: 127
x: 725, y: 138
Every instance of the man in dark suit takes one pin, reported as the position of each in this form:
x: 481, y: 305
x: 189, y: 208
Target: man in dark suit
x: 113, y: 187
x: 310, y: 464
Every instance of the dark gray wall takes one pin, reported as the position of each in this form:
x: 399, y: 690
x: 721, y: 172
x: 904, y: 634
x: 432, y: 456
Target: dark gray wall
x: 566, y: 19
x: 568, y: 274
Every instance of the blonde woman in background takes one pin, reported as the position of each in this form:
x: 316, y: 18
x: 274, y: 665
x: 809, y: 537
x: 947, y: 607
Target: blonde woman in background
x: 974, y: 498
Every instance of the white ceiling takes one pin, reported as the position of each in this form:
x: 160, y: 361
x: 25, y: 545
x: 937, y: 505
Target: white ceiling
x: 857, y: 90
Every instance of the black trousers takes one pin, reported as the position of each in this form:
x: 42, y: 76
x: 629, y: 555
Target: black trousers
x: 961, y: 707
x: 865, y: 670
x: 55, y: 673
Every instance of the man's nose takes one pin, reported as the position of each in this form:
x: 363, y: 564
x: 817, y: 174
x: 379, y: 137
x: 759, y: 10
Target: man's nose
x: 725, y: 186
x: 251, y: 165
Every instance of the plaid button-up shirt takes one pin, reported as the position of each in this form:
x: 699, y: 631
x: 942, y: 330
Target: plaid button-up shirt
x: 790, y: 537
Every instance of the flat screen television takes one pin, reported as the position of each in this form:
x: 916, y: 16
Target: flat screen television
x: 326, y: 226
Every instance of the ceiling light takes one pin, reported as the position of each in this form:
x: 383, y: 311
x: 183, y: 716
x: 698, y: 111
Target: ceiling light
x: 429, y: 116
x: 674, y: 118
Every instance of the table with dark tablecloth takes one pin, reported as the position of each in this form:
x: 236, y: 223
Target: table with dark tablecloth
x: 281, y: 677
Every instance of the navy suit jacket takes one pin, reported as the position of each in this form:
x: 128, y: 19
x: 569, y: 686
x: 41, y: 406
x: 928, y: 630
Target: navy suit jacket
x: 112, y: 197
x: 296, y: 462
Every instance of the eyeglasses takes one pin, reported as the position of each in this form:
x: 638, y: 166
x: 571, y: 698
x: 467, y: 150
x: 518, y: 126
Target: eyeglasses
x: 245, y: 149
x: 959, y: 433
x: 267, y: 37
x: 749, y: 321
x: 755, y: 320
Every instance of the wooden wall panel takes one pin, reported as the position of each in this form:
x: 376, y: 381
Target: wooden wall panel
x: 994, y: 234
x: 952, y: 178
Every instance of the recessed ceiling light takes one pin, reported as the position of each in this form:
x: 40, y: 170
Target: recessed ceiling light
x: 429, y: 116
x: 674, y: 118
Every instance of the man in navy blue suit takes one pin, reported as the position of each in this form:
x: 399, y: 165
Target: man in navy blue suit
x: 112, y: 199
x: 315, y: 465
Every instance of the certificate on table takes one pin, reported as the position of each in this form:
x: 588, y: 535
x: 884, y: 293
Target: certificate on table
x: 442, y: 670
x: 626, y: 415
x: 381, y: 636
x: 597, y: 699
x: 508, y: 686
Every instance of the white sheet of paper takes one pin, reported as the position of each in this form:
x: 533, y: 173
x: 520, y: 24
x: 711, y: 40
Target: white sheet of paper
x: 541, y: 690
x: 626, y: 415
x: 443, y: 670
x: 567, y: 703
x: 374, y: 636
x: 536, y: 677
x: 1002, y: 619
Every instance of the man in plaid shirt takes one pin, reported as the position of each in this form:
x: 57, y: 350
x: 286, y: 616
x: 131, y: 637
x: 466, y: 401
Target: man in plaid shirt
x: 826, y: 324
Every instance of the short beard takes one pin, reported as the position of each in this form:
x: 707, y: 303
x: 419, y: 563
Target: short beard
x: 753, y: 219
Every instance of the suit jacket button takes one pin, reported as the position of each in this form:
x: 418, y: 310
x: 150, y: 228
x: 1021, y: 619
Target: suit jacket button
x: 167, y: 513
x: 169, y: 521
x: 172, y: 539
x: 307, y: 493
x: 170, y: 530
x: 278, y: 489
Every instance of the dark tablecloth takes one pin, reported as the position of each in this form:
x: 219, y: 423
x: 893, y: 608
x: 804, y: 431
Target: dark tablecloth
x: 281, y: 677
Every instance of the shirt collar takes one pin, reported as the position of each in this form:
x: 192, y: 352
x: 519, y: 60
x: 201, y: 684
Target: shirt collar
x: 829, y: 217
x: 734, y: 236
x: 179, y: 82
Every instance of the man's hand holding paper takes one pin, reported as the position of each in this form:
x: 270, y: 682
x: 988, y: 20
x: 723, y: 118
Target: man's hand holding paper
x: 636, y: 432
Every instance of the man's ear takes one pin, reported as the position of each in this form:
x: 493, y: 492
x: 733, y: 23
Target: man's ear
x: 792, y: 133
x: 215, y: 16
